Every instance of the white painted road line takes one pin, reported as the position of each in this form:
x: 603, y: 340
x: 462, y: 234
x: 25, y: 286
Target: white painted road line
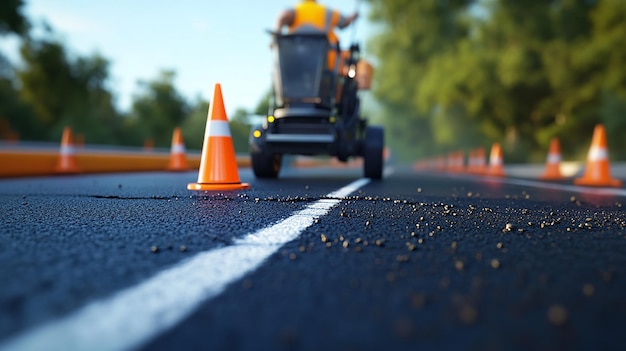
x: 562, y: 187
x: 132, y: 317
x: 546, y: 185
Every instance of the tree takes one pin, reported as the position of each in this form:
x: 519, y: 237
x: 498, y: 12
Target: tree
x: 67, y: 91
x: 158, y: 108
x: 474, y: 72
x: 194, y: 125
x: 11, y: 18
x: 608, y: 41
x: 15, y: 115
x: 413, y: 33
x: 240, y: 130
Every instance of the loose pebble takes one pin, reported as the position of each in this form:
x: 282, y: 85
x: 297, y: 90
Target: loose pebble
x: 468, y: 314
x: 402, y: 258
x: 557, y: 315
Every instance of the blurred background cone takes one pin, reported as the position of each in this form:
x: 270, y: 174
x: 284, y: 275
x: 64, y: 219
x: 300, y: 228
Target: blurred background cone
x: 598, y: 170
x: 218, y: 163
x: 496, y: 162
x: 553, y: 162
x: 67, y: 154
x: 178, y: 157
x: 481, y: 167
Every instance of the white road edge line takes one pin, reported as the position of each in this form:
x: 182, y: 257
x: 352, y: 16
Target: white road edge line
x: 133, y: 316
x: 549, y: 185
x: 573, y: 188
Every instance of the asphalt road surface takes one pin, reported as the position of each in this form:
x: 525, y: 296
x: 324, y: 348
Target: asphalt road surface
x: 319, y: 259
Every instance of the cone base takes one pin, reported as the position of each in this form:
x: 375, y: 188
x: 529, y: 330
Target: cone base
x: 594, y: 182
x: 217, y: 186
x: 552, y: 175
x: 178, y: 164
x: 496, y: 173
x: 67, y: 170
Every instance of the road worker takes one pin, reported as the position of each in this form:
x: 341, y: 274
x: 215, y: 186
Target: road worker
x: 310, y: 16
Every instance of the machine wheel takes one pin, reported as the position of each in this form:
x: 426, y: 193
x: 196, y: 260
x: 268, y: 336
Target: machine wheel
x: 266, y: 165
x: 373, y: 152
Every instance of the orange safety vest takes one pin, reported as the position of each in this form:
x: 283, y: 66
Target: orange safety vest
x: 313, y: 15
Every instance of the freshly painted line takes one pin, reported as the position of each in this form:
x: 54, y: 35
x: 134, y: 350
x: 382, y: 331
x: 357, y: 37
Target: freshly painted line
x: 131, y: 317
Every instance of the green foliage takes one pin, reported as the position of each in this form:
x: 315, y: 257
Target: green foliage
x: 194, y: 125
x: 240, y: 130
x: 54, y: 89
x: 263, y: 106
x: 469, y: 73
x: 11, y: 18
x: 66, y: 91
x: 613, y: 116
x: 16, y: 116
x: 158, y: 108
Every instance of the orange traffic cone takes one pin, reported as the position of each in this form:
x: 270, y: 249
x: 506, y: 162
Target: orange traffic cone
x: 218, y: 163
x: 459, y: 161
x: 148, y: 144
x: 481, y: 167
x: 178, y: 158
x: 496, y: 164
x: 472, y: 161
x: 553, y: 162
x: 67, y: 154
x: 598, y: 172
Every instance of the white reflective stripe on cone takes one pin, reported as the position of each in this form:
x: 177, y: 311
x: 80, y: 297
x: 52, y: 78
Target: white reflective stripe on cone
x: 496, y: 161
x: 68, y: 150
x: 178, y: 148
x: 217, y: 128
x: 597, y: 153
x: 554, y: 158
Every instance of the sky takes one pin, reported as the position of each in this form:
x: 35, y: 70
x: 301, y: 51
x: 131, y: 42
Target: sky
x: 204, y: 41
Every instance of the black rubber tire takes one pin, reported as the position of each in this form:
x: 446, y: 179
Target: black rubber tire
x: 266, y: 165
x: 373, y: 152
